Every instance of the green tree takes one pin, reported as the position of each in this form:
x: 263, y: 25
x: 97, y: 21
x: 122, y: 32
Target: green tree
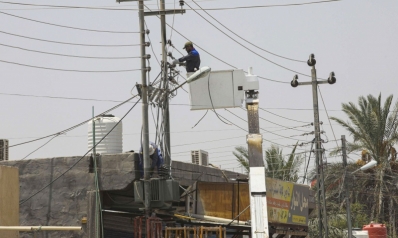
x: 277, y: 165
x: 373, y: 126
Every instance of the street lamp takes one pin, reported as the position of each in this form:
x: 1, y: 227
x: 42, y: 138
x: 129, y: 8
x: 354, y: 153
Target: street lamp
x: 201, y: 73
x: 367, y: 166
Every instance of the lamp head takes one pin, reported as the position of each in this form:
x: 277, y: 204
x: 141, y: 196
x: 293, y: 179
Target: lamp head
x: 201, y: 73
x: 369, y: 165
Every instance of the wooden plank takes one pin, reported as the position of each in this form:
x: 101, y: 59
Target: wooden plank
x: 9, y: 200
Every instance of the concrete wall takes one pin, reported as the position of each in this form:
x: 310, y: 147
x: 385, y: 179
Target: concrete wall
x: 64, y: 202
x: 9, y: 200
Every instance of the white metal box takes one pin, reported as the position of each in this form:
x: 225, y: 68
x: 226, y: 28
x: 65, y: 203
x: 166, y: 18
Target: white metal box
x: 220, y: 89
x: 200, y: 157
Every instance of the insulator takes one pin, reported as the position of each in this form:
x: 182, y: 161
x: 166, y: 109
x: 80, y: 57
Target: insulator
x: 147, y: 44
x: 311, y: 61
x: 147, y: 31
x: 181, y: 3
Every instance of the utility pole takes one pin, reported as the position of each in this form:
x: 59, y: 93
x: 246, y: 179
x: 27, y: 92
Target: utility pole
x: 257, y: 183
x: 166, y: 113
x: 144, y: 92
x: 347, y: 194
x: 145, y: 123
x: 321, y: 203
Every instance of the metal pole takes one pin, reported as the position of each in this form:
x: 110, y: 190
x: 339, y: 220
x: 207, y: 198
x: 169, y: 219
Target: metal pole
x: 166, y: 113
x: 323, y: 227
x: 347, y: 193
x: 257, y: 184
x: 97, y: 210
x: 145, y: 124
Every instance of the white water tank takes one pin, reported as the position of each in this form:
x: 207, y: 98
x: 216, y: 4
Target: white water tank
x: 113, y: 143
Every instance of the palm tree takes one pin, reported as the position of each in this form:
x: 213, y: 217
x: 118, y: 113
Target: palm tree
x: 242, y: 156
x: 374, y: 129
x: 276, y: 165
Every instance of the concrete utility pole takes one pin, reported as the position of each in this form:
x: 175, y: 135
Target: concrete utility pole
x: 145, y: 123
x: 144, y: 92
x: 322, y: 216
x: 347, y: 193
x: 257, y: 187
x: 166, y: 113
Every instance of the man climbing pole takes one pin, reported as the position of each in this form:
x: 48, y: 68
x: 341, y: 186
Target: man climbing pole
x: 192, y: 59
x: 156, y: 157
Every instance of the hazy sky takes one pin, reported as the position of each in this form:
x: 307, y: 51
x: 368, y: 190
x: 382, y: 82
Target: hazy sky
x: 357, y: 39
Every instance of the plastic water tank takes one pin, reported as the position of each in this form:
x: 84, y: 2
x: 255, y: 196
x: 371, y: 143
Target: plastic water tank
x: 113, y: 143
x: 376, y: 230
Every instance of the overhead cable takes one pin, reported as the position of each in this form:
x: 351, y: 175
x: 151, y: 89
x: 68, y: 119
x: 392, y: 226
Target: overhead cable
x: 260, y: 127
x: 173, y: 104
x: 247, y: 48
x: 327, y: 114
x: 282, y: 116
x: 40, y: 190
x: 255, y: 45
x: 41, y: 146
x: 277, y: 81
x: 78, y: 125
x: 266, y: 6
x: 69, y: 27
x: 66, y: 43
x: 71, y: 70
x: 134, y: 9
x: 289, y: 128
x: 65, y: 55
x: 247, y: 131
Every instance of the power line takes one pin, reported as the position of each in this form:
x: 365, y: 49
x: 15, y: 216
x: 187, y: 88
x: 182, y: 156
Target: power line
x: 41, y: 146
x: 75, y: 56
x: 272, y: 80
x: 66, y: 43
x: 40, y: 190
x: 69, y: 27
x: 134, y: 9
x: 266, y: 6
x: 70, y: 70
x: 73, y: 127
x: 262, y: 128
x: 282, y: 116
x: 327, y: 114
x: 230, y: 138
x: 174, y: 104
x: 288, y: 128
x: 247, y: 48
x: 273, y: 142
x: 255, y: 45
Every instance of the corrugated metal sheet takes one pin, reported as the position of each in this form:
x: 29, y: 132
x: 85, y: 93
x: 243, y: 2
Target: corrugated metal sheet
x: 108, y: 233
x: 115, y: 222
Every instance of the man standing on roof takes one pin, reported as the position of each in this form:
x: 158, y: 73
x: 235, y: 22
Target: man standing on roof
x: 192, y: 59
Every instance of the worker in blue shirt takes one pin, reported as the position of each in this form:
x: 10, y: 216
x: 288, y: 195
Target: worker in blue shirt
x: 192, y: 59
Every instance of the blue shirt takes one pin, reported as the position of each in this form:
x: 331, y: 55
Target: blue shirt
x: 192, y: 59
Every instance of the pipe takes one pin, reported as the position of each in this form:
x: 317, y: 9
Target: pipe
x: 40, y: 228
x: 218, y: 219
